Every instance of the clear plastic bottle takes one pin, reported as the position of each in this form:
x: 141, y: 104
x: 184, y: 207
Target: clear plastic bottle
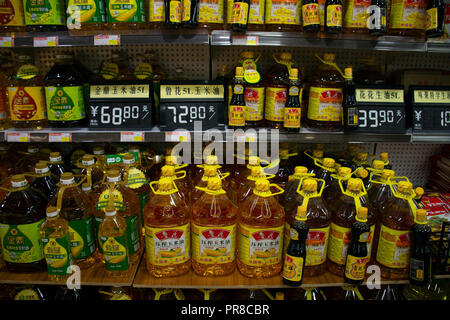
x: 407, y: 18
x: 211, y: 14
x: 92, y: 171
x: 245, y: 190
x: 210, y: 171
x: 214, y: 224
x: 331, y: 193
x: 300, y: 173
x: 326, y: 169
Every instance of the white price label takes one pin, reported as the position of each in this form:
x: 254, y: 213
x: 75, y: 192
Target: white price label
x: 6, y: 42
x: 107, y: 40
x: 18, y: 137
x: 245, y: 137
x: 178, y: 136
x: 132, y: 136
x: 245, y: 40
x: 60, y: 137
x: 45, y: 41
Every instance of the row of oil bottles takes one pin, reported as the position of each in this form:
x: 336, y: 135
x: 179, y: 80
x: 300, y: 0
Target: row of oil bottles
x: 232, y: 215
x: 332, y: 16
x: 438, y: 290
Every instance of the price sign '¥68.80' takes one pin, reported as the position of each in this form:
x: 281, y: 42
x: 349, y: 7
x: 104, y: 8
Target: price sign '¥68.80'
x: 431, y: 108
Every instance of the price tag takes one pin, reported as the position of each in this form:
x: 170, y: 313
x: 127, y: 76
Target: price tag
x: 132, y: 136
x: 18, y: 137
x: 6, y: 42
x: 431, y: 108
x: 245, y: 137
x: 107, y: 40
x: 45, y: 41
x: 432, y: 96
x: 178, y: 136
x: 373, y: 95
x: 245, y: 40
x: 60, y: 137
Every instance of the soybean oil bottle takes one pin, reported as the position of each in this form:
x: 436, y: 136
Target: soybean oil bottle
x: 21, y: 214
x: 76, y: 207
x: 261, y: 224
x: 214, y: 225
x: 167, y: 231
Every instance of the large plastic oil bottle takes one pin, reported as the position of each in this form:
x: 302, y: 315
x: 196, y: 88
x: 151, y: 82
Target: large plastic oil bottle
x: 394, y: 240
x: 331, y: 193
x: 343, y: 216
x: 21, y: 214
x: 28, y: 160
x: 125, y: 14
x: 326, y: 169
x: 246, y: 189
x: 211, y: 14
x: 167, y: 231
x: 94, y: 175
x: 156, y: 14
x: 318, y: 218
x: 56, y: 164
x: 325, y: 97
x: 48, y: 15
x: 176, y: 176
x: 43, y: 182
x: 214, y: 226
x: 283, y: 15
x: 210, y: 171
x: 379, y: 190
x: 64, y: 92
x: 407, y: 18
x: 261, y: 225
x: 13, y: 18
x: 7, y: 66
x: 285, y: 168
x: 116, y: 69
x: 26, y: 95
x: 290, y: 191
x: 76, y: 207
x: 86, y: 15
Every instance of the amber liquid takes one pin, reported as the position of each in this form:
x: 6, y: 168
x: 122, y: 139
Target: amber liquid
x: 276, y: 77
x: 166, y: 211
x: 419, y: 33
x: 96, y: 176
x: 214, y: 211
x: 260, y: 212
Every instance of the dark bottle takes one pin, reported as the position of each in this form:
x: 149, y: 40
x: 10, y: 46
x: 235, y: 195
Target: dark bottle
x: 326, y: 169
x: 358, y: 253
x: 434, y: 25
x: 420, y: 254
x: 224, y: 77
x: 189, y: 16
x: 67, y: 294
x: 295, y: 258
x: 21, y: 215
x: 236, y: 108
x: 56, y: 164
x: 378, y: 18
x: 239, y: 17
x: 333, y: 16
x: 349, y: 105
x: 43, y: 183
x: 172, y: 13
x: 310, y: 16
x: 293, y: 107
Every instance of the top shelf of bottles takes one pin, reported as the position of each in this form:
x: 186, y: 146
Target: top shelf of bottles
x: 220, y: 38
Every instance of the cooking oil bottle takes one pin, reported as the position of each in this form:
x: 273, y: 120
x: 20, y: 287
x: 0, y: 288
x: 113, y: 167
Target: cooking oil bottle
x: 21, y: 214
x: 94, y: 175
x: 99, y: 154
x: 27, y: 162
x: 45, y: 15
x: 407, y: 19
x: 214, y: 224
x: 76, y: 207
x: 361, y: 161
x: 331, y: 193
x: 394, y: 240
x: 177, y: 176
x: 380, y: 190
x: 325, y: 96
x: 356, y: 15
x: 13, y: 18
x: 311, y: 158
x: 156, y: 14
x: 117, y: 68
x: 112, y: 234
x: 245, y: 190
x: 285, y: 168
x: 343, y: 215
x: 384, y: 156
x: 376, y: 167
x: 7, y: 66
x: 167, y: 231
x: 125, y: 14
x: 55, y: 238
x: 261, y: 223
x: 56, y: 164
x: 300, y: 173
x: 256, y: 17
x: 283, y: 15
x: 211, y: 14
x: 26, y: 96
x: 43, y: 182
x: 126, y: 202
x: 318, y: 220
x: 86, y: 15
x: 210, y: 171
x: 327, y: 168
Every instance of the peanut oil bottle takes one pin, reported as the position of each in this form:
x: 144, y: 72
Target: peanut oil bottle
x: 256, y: 17
x: 331, y: 193
x: 86, y: 15
x: 12, y: 16
x: 326, y: 169
x: 26, y: 96
x: 156, y: 14
x: 376, y: 167
x: 126, y: 14
x: 384, y: 156
x: 343, y: 216
x: 380, y: 191
x: 167, y: 231
x: 214, y: 224
x: 211, y: 14
x: 76, y: 207
x: 282, y: 15
x: 261, y: 225
x: 56, y: 242
x: 112, y: 234
x: 394, y: 240
x: 407, y: 18
x: 355, y: 16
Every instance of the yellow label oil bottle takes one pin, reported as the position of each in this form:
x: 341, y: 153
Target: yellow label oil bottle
x: 12, y: 18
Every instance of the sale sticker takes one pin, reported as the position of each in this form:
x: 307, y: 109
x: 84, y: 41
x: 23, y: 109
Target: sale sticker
x: 18, y: 137
x: 60, y: 137
x: 132, y: 136
x: 45, y: 41
x: 107, y: 40
x: 178, y: 136
x: 6, y: 42
x: 245, y: 40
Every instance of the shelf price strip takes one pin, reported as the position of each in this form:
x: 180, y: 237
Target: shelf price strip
x: 18, y: 137
x: 132, y: 136
x: 45, y: 42
x: 60, y: 137
x: 178, y: 136
x: 107, y: 40
x: 245, y: 40
x: 6, y: 42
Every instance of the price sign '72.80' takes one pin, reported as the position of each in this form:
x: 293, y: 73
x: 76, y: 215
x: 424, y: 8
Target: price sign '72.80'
x: 381, y: 109
x: 121, y: 105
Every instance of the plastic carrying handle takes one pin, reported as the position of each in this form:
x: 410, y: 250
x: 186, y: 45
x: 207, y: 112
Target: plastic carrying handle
x: 171, y: 191
x: 318, y: 163
x: 318, y: 194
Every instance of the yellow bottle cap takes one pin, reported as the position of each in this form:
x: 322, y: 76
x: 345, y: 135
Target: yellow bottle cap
x: 362, y: 156
x: 328, y: 162
x: 362, y: 214
x: 98, y: 151
x: 256, y: 171
x: 52, y: 211
x: 67, y: 176
x: 110, y: 210
x: 419, y: 191
x: 404, y: 186
x: 262, y: 185
x: 309, y: 185
x: 348, y: 72
x: 354, y: 184
x: 212, y: 160
x: 167, y: 171
x: 214, y: 183
x: 377, y: 164
x: 210, y: 171
x: 87, y: 157
x: 86, y: 187
x: 386, y: 174
x: 293, y: 74
x: 352, y: 148
x: 165, y: 184
x: 254, y: 161
x: 384, y: 156
x: 300, y: 170
x: 421, y: 216
x: 301, y: 213
x: 40, y: 165
x: 239, y: 72
x: 286, y: 56
x: 329, y: 57
x: 363, y: 173
x: 171, y: 160
x: 55, y: 154
x: 317, y: 153
x: 344, y: 171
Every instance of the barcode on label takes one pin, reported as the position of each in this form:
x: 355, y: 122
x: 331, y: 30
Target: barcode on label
x: 107, y: 40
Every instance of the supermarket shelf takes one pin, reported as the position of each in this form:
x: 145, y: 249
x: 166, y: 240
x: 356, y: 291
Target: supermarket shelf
x: 68, y: 39
x: 431, y: 137
x: 94, y: 276
x: 438, y: 46
x: 292, y: 39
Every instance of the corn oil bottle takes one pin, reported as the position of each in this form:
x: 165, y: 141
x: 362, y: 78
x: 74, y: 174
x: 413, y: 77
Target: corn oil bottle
x: 86, y: 15
x: 43, y: 183
x: 125, y: 14
x: 296, y: 179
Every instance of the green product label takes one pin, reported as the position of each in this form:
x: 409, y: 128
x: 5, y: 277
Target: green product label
x: 22, y: 243
x: 133, y: 234
x: 65, y: 103
x: 44, y: 12
x: 86, y: 11
x: 143, y: 199
x: 98, y: 221
x: 126, y: 11
x: 115, y: 253
x: 118, y: 158
x: 57, y: 255
x: 81, y: 235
